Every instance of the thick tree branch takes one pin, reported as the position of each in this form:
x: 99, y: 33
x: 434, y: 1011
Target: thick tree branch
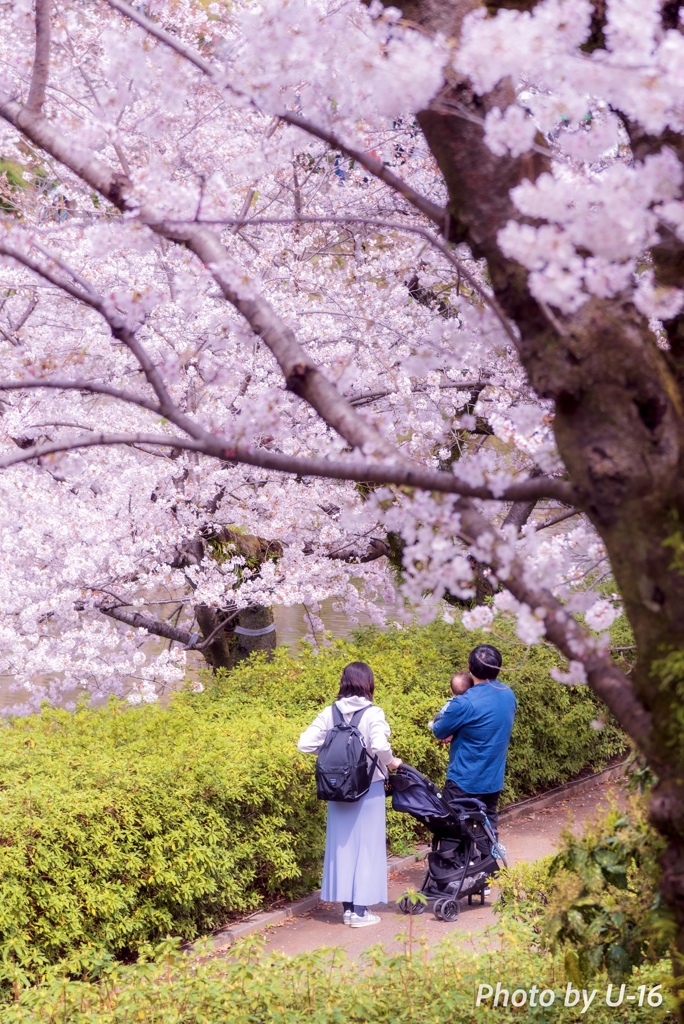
x: 375, y: 167
x: 400, y: 473
x: 519, y: 513
x: 376, y: 549
x: 41, y: 61
x: 558, y: 519
x: 158, y: 627
x: 91, y: 387
x: 162, y: 627
x: 302, y: 376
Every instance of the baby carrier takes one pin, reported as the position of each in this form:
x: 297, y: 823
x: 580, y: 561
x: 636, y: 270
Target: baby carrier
x: 464, y: 848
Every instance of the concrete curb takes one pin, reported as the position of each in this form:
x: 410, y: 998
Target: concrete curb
x: 518, y: 810
x: 260, y: 922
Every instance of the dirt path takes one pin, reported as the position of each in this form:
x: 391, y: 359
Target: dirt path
x: 526, y: 839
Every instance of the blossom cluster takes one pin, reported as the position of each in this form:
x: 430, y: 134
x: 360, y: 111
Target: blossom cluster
x: 585, y: 224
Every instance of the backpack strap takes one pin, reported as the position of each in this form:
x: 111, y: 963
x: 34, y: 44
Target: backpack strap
x: 337, y: 716
x: 355, y: 719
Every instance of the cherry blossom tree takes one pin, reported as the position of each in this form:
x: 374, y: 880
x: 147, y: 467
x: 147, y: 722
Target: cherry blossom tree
x: 167, y: 537
x: 354, y: 285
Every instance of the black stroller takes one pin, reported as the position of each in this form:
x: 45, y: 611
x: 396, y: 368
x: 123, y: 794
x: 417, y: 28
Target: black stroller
x: 464, y: 848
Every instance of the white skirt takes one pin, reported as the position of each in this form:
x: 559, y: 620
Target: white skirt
x: 355, y: 865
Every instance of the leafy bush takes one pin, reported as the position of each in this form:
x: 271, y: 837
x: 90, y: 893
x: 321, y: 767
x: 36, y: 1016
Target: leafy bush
x: 605, y: 909
x: 524, y: 891
x: 123, y: 825
x: 323, y: 988
x: 597, y: 899
x: 553, y: 736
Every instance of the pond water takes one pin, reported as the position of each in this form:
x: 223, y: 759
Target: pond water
x: 292, y: 623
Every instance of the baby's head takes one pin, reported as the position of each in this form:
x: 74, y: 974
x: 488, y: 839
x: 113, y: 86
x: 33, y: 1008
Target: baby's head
x: 461, y: 682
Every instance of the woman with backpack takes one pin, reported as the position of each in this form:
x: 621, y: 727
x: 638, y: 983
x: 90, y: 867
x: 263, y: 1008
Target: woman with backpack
x: 352, y: 780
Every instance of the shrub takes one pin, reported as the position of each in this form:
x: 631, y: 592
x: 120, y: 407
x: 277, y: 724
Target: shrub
x: 323, y: 988
x: 123, y: 825
x: 597, y: 899
x: 605, y: 909
x: 553, y: 736
x: 524, y: 891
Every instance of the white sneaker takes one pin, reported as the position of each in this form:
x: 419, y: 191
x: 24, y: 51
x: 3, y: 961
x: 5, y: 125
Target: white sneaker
x: 487, y: 891
x: 362, y: 921
x: 346, y: 917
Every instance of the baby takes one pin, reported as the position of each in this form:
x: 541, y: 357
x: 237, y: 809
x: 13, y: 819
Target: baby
x: 460, y: 682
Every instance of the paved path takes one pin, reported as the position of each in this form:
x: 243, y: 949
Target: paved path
x: 526, y: 839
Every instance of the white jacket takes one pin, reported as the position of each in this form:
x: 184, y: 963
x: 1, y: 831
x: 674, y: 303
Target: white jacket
x: 373, y: 728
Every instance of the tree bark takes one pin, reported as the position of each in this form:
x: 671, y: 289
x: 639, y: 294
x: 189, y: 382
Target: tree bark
x: 228, y: 647
x: 41, y: 61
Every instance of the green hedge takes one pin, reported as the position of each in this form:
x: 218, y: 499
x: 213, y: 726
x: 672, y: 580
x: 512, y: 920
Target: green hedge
x: 122, y: 825
x: 553, y: 738
x: 119, y: 827
x: 323, y: 988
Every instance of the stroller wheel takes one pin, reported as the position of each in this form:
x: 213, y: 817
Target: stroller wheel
x: 449, y: 910
x: 406, y: 908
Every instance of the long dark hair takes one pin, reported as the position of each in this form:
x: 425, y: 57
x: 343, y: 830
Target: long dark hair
x: 357, y: 681
x: 484, y: 662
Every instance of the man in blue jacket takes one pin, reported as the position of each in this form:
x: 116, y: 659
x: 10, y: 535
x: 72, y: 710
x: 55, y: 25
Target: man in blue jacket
x: 480, y: 722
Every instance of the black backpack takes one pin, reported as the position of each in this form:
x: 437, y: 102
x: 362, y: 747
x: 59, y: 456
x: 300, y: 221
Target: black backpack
x: 344, y: 768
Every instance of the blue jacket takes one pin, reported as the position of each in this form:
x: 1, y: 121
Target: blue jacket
x: 480, y: 721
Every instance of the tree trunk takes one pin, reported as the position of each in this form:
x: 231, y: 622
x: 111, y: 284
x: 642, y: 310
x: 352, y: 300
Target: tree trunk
x: 230, y: 645
x: 667, y: 815
x: 254, y: 619
x: 519, y: 513
x: 220, y: 653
